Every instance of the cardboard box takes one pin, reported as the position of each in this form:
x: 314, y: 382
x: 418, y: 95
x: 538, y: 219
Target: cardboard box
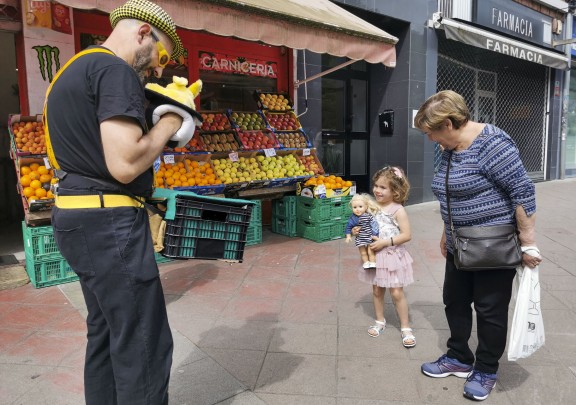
x: 321, y: 191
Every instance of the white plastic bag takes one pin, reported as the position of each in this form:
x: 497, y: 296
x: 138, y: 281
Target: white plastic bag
x: 527, y: 332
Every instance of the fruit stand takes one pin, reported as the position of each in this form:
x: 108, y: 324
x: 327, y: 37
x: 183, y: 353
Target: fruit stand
x: 260, y: 154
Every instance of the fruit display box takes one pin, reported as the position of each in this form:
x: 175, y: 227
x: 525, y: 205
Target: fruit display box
x: 309, y: 158
x: 284, y: 225
x: 320, y: 232
x: 258, y: 140
x: 214, y: 121
x: 320, y: 191
x: 34, y: 183
x: 27, y: 134
x: 194, y: 145
x: 207, y: 228
x: 283, y: 121
x: 220, y: 141
x: 293, y: 140
x: 273, y: 101
x: 247, y: 120
x: 285, y: 206
x: 196, y: 174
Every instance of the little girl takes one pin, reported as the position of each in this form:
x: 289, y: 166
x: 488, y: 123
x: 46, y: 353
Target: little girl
x: 363, y: 206
x: 393, y: 262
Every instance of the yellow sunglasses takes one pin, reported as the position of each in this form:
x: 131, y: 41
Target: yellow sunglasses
x: 163, y: 56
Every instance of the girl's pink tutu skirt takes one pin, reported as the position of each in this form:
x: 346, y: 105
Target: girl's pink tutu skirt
x: 393, y: 268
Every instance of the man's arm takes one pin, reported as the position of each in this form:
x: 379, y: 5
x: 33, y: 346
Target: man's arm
x: 127, y: 152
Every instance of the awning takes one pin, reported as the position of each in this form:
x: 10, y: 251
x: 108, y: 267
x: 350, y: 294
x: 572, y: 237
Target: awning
x: 316, y: 25
x: 497, y: 43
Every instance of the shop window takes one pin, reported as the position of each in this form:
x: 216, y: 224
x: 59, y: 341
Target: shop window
x: 333, y: 105
x: 221, y: 91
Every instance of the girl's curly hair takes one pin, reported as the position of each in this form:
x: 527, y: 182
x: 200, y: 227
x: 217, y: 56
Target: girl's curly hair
x: 399, y: 185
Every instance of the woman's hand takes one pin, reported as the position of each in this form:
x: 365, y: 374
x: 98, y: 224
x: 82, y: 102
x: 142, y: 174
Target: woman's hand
x: 443, y: 249
x: 355, y: 230
x: 531, y: 256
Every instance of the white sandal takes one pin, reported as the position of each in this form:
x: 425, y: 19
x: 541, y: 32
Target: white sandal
x: 376, y: 329
x: 407, y: 336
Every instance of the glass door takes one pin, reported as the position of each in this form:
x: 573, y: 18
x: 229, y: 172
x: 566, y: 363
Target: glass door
x: 345, y: 137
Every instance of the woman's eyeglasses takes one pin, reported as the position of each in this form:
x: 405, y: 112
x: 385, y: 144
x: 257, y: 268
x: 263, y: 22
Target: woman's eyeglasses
x: 163, y: 56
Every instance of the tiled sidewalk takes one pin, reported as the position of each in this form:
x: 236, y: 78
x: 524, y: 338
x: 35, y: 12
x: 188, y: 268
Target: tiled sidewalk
x: 288, y: 326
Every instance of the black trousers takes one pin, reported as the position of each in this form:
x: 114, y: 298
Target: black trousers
x: 129, y: 350
x: 490, y: 292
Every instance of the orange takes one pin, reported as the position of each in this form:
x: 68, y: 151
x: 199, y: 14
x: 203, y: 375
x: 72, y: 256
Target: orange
x: 35, y: 184
x: 34, y: 175
x: 42, y: 170
x: 25, y: 180
x: 40, y: 192
x: 45, y: 178
x: 34, y: 166
x: 169, y: 181
x: 49, y: 194
x: 54, y: 180
x: 25, y: 170
x: 28, y: 192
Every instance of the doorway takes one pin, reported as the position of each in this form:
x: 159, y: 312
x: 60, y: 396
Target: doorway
x: 11, y: 211
x: 345, y: 134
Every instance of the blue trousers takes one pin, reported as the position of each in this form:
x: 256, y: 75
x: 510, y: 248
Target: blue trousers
x: 490, y: 292
x: 129, y: 349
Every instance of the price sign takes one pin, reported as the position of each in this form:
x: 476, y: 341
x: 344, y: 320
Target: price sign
x: 353, y: 190
x: 306, y: 152
x: 233, y: 156
x: 169, y: 159
x: 270, y: 152
x: 47, y: 162
x: 156, y: 165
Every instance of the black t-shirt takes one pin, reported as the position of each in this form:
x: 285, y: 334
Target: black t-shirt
x: 94, y: 88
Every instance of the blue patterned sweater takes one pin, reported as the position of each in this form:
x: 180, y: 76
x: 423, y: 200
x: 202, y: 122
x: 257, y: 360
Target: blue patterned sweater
x: 487, y: 182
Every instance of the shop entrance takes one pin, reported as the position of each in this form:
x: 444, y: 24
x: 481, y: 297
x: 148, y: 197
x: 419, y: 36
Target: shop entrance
x: 10, y: 204
x: 345, y: 136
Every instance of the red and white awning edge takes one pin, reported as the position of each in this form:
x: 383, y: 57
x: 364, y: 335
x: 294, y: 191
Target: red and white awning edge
x: 199, y: 15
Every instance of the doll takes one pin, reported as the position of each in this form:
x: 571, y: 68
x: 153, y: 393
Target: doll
x: 363, y: 206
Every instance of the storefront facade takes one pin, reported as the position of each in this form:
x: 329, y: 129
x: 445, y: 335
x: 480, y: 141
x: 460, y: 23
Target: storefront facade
x: 359, y: 117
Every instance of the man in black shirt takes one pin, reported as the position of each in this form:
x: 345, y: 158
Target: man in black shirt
x: 95, y: 115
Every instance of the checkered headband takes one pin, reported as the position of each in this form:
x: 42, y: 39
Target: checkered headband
x: 154, y: 15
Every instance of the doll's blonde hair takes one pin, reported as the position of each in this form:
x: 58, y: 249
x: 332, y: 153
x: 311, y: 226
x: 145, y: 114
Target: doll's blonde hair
x: 371, y: 204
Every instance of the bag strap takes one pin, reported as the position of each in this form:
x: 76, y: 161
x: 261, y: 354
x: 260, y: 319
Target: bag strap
x: 49, y: 151
x: 448, y: 195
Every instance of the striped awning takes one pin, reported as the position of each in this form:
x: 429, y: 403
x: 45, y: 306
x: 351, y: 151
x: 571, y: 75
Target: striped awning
x: 316, y: 25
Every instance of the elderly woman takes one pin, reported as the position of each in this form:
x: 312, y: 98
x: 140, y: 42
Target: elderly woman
x: 488, y: 185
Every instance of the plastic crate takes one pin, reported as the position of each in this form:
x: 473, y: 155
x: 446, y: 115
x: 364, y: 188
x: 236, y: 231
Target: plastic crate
x: 49, y: 272
x: 161, y: 259
x: 318, y: 232
x: 254, y: 234
x: 284, y: 226
x: 256, y: 217
x: 39, y: 243
x: 285, y: 207
x: 325, y: 209
x: 206, y: 230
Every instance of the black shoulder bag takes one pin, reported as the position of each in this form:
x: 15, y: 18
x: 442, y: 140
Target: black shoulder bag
x: 476, y: 248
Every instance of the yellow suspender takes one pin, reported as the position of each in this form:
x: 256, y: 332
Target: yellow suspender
x: 49, y: 150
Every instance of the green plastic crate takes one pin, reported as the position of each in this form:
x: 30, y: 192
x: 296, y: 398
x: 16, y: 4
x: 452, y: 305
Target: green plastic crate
x: 256, y: 217
x: 284, y: 226
x: 285, y: 207
x: 39, y: 243
x: 254, y: 235
x: 324, y: 209
x: 318, y: 232
x: 161, y: 259
x: 49, y: 272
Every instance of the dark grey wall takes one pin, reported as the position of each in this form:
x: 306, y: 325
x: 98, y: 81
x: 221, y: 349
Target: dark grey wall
x: 402, y: 89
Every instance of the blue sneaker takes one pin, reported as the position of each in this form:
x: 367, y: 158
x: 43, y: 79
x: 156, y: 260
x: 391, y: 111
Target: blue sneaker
x: 445, y: 366
x: 479, y: 385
